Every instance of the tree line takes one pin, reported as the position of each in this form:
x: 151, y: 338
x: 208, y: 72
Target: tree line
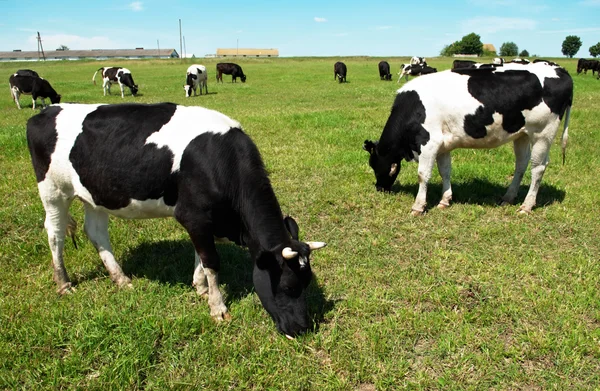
x: 471, y: 44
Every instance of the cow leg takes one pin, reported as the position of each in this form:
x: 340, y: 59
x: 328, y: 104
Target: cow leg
x: 199, y: 281
x: 56, y: 223
x: 122, y: 91
x: 444, y: 164
x: 522, y: 154
x: 96, y: 229
x: 199, y: 228
x: 43, y: 102
x: 16, y: 95
x: 426, y: 161
x: 539, y: 161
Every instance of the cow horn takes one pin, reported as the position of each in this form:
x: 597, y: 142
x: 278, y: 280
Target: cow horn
x: 393, y: 169
x: 288, y: 253
x: 316, y: 245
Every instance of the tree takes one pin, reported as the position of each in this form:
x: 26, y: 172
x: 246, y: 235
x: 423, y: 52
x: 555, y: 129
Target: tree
x: 595, y: 50
x: 469, y: 44
x: 524, y: 53
x: 63, y: 47
x: 571, y: 45
x: 509, y: 49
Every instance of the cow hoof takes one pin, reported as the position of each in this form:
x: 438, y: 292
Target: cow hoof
x: 524, y: 212
x: 124, y: 282
x: 417, y: 213
x: 442, y: 205
x: 202, y: 292
x: 221, y: 316
x: 66, y: 289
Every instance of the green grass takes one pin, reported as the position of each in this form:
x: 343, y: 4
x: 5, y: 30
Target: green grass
x: 472, y: 297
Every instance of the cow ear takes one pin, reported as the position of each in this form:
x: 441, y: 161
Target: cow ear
x: 370, y: 146
x: 291, y: 226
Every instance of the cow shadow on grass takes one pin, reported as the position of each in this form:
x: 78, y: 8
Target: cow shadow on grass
x: 482, y: 192
x: 172, y: 262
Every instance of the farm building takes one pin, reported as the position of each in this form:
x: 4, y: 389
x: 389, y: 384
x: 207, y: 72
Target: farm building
x: 94, y: 54
x: 488, y: 47
x: 247, y: 52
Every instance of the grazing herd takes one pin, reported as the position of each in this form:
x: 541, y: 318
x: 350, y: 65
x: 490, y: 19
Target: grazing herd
x: 198, y: 165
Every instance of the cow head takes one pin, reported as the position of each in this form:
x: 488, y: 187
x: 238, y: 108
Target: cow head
x: 385, y: 166
x: 281, y: 276
x: 55, y: 99
x: 243, y: 78
x: 134, y: 89
x: 388, y: 76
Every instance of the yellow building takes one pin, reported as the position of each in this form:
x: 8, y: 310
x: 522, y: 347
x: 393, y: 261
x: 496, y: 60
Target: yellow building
x: 247, y: 52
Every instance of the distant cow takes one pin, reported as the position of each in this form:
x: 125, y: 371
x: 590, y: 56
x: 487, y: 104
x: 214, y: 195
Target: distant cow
x: 339, y: 71
x: 195, y: 76
x: 522, y: 61
x: 474, y: 108
x: 26, y: 72
x: 546, y: 61
x: 418, y: 61
x: 163, y: 160
x: 232, y: 69
x: 414, y: 70
x: 462, y: 63
x: 34, y: 86
x: 384, y: 71
x: 122, y: 76
x: 585, y: 65
x: 498, y: 61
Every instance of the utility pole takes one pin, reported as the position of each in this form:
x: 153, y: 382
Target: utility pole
x: 180, y: 42
x: 40, y: 47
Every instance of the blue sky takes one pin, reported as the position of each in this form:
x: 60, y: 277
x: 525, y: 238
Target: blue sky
x: 305, y: 28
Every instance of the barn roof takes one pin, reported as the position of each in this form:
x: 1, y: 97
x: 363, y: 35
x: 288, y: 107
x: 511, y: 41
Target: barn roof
x: 114, y: 53
x: 489, y: 47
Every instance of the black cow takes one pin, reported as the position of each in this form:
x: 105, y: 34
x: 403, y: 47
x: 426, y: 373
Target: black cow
x: 474, y: 108
x: 232, y: 69
x: 161, y: 160
x: 34, y: 86
x: 462, y: 64
x: 340, y: 71
x: 26, y: 72
x: 384, y: 70
x: 116, y: 75
x: 585, y: 65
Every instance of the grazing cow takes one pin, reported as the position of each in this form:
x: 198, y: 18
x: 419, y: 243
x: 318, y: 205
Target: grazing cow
x: 340, y: 71
x: 26, y: 72
x: 195, y: 76
x: 414, y: 70
x: 34, y: 86
x: 585, y: 65
x: 116, y: 75
x: 418, y: 61
x: 462, y: 64
x: 522, y: 61
x: 384, y: 70
x: 474, y: 108
x: 498, y: 61
x: 161, y: 160
x: 232, y: 69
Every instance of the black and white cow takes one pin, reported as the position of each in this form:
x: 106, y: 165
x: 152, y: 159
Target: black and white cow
x: 545, y: 61
x: 26, y: 72
x: 414, y: 70
x: 195, y: 76
x: 232, y: 69
x: 161, y: 160
x: 418, y: 61
x: 340, y: 71
x: 474, y: 108
x: 463, y: 64
x: 122, y: 76
x: 498, y: 61
x: 384, y: 70
x: 522, y: 61
x: 34, y: 86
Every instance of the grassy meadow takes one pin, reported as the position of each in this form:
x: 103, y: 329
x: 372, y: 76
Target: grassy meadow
x: 468, y: 298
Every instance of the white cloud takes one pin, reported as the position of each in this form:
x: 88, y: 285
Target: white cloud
x: 320, y: 20
x: 74, y: 42
x: 136, y: 6
x: 493, y: 24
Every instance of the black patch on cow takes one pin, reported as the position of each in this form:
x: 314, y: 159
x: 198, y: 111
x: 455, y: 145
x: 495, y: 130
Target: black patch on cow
x: 113, y: 162
x: 558, y: 92
x: 404, y: 132
x: 41, y: 140
x: 507, y: 93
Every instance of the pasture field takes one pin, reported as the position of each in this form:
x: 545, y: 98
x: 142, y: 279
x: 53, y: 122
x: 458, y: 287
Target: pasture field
x: 468, y: 298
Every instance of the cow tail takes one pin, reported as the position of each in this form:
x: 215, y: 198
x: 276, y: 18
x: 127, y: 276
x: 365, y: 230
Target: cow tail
x: 565, y: 135
x: 94, y: 77
x: 72, y: 229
